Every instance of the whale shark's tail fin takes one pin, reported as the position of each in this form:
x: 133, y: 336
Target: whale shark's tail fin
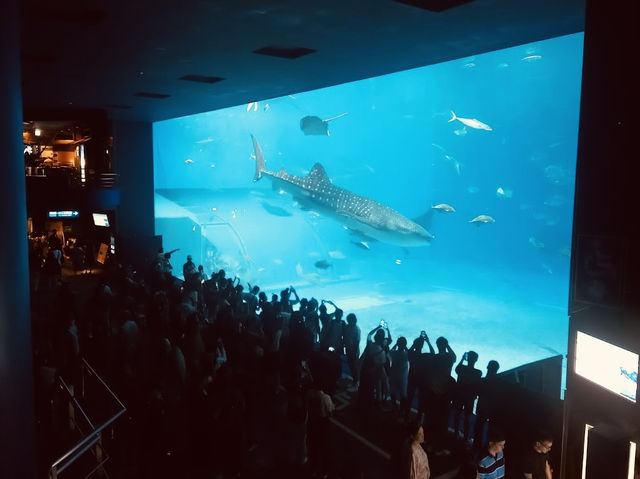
x: 259, y: 159
x: 453, y: 116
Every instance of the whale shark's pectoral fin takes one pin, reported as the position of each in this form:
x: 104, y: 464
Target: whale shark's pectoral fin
x: 424, y: 220
x: 360, y: 235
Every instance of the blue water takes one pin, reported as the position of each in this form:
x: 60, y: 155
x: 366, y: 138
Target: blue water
x: 500, y: 288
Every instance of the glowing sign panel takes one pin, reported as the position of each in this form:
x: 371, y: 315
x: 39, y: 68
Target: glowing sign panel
x: 609, y: 366
x: 64, y: 214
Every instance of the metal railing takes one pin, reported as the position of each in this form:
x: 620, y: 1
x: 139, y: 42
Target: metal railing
x: 92, y: 437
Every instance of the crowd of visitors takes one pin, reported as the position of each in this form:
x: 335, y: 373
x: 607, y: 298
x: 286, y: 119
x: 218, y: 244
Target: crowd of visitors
x: 229, y: 380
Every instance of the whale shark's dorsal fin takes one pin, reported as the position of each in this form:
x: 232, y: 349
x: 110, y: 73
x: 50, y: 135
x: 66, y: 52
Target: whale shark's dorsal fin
x: 318, y: 174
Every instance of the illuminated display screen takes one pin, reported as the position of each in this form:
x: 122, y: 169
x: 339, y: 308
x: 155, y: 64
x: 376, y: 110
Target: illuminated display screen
x: 100, y: 219
x: 64, y: 214
x: 607, y: 365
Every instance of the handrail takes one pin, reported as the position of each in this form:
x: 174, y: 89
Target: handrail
x: 77, y: 404
x: 93, y: 371
x: 78, y: 450
x: 94, y: 436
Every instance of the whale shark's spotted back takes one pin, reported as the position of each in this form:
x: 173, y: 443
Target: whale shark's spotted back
x: 358, y: 213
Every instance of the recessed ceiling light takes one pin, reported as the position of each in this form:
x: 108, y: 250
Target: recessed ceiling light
x: 201, y: 78
x: 284, y: 51
x: 146, y: 94
x: 434, y: 5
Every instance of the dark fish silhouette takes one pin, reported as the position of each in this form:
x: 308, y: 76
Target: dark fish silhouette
x: 274, y: 210
x: 322, y: 264
x: 313, y: 125
x: 357, y: 213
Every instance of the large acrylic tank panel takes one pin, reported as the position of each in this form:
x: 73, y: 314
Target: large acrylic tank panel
x: 498, y: 287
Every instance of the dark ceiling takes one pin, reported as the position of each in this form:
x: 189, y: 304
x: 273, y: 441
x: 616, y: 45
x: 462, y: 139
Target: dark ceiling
x: 148, y: 60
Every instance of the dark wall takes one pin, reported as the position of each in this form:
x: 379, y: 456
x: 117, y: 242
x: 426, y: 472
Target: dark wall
x: 605, y: 280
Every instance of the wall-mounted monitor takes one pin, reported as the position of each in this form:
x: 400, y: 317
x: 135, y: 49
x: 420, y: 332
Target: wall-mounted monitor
x: 607, y: 365
x: 100, y: 219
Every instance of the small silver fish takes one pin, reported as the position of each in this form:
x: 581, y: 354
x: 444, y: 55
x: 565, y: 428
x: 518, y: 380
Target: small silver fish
x: 470, y: 122
x: 444, y: 208
x: 482, y: 219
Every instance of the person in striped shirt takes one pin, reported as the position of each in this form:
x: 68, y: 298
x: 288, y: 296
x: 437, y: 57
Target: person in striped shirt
x: 490, y: 464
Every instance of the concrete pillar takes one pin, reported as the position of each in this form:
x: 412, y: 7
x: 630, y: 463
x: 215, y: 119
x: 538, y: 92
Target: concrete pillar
x: 133, y: 161
x: 17, y: 430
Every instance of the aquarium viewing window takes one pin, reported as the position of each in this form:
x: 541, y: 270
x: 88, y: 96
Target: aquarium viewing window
x: 607, y: 365
x: 437, y: 198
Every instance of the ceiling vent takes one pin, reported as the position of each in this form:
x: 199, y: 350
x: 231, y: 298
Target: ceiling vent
x: 39, y: 58
x: 146, y: 94
x: 201, y: 78
x: 290, y: 53
x: 89, y: 17
x: 434, y: 5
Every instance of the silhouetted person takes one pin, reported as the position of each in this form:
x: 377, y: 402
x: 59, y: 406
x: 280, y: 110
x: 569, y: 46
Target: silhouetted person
x: 440, y: 389
x: 189, y: 268
x: 324, y: 315
x: 371, y: 370
x: 331, y: 335
x: 399, y: 372
x: 54, y: 242
x: 320, y: 408
x: 488, y: 402
x: 466, y: 392
x: 326, y: 369
x: 352, y: 347
x: 416, y: 372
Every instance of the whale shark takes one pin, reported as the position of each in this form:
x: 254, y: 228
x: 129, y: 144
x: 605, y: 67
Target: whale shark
x: 359, y: 214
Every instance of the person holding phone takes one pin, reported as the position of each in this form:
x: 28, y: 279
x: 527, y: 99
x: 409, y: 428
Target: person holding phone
x: 372, y: 362
x: 465, y: 393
